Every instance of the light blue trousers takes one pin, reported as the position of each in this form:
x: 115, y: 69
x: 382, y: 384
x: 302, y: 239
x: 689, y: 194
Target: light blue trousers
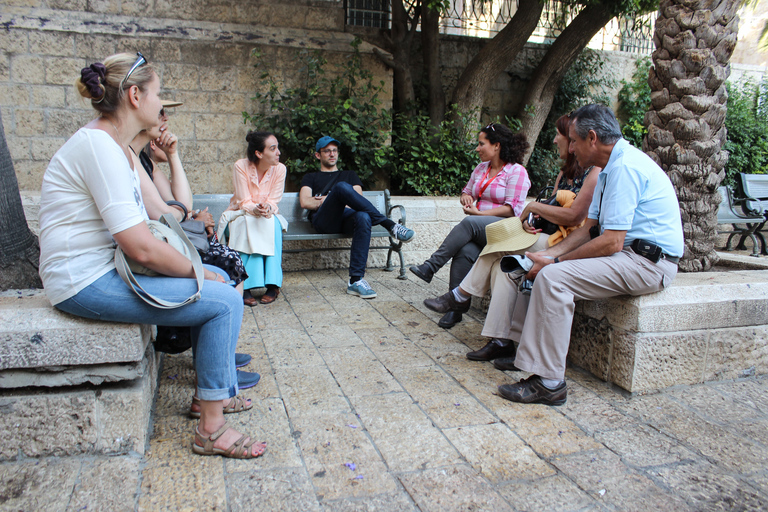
x: 264, y: 270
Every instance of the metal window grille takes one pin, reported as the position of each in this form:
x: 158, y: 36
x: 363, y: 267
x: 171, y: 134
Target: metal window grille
x: 483, y: 18
x: 368, y: 13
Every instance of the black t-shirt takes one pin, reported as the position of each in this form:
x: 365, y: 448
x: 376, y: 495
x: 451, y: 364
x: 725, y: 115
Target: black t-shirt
x: 322, y: 182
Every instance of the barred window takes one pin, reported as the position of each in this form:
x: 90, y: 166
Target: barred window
x: 368, y: 13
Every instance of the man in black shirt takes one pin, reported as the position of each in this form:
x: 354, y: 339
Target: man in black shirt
x: 336, y: 204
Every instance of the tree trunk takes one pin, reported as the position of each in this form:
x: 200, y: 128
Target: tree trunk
x: 20, y: 251
x: 400, y: 47
x: 540, y: 92
x: 686, y: 122
x: 493, y: 59
x: 430, y: 46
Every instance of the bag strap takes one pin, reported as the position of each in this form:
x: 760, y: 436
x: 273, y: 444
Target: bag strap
x: 121, y: 264
x: 180, y: 205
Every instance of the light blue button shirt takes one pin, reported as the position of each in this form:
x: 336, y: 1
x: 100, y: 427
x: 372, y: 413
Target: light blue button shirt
x: 634, y: 195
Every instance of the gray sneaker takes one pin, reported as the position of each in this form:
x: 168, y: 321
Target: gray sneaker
x: 361, y: 288
x: 402, y: 233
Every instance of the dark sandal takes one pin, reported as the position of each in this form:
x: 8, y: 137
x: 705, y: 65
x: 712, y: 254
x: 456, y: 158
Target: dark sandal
x: 236, y: 404
x: 237, y: 450
x: 270, y: 296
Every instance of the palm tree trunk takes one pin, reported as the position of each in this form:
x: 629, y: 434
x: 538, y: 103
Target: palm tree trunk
x: 686, y: 122
x: 20, y: 250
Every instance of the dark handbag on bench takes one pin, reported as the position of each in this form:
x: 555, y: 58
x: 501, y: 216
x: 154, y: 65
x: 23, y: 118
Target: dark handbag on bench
x: 194, y: 229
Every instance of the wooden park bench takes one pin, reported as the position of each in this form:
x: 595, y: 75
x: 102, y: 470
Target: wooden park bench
x: 300, y: 229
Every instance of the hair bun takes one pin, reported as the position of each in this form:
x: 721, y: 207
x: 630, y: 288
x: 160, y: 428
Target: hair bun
x: 92, y: 77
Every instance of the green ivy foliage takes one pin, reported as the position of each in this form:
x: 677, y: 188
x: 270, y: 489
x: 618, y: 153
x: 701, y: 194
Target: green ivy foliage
x: 347, y: 107
x: 588, y: 81
x: 747, y: 125
x: 634, y: 101
x: 429, y: 161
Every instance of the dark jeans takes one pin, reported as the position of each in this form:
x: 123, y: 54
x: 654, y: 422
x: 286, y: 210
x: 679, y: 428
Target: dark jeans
x: 334, y: 217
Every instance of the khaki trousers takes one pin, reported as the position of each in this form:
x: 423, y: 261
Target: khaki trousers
x: 546, y: 330
x: 486, y: 274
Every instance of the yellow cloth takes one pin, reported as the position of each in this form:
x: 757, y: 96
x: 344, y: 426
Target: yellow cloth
x: 565, y: 199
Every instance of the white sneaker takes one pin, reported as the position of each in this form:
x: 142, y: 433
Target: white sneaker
x: 361, y: 288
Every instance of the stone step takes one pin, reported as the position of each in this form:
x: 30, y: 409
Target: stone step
x: 72, y: 386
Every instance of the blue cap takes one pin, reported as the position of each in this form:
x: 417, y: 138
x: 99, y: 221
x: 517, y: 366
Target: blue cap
x: 324, y: 141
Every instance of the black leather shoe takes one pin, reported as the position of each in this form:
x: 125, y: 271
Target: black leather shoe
x: 532, y: 391
x: 491, y: 351
x: 446, y: 303
x: 423, y: 272
x: 506, y: 364
x: 449, y: 319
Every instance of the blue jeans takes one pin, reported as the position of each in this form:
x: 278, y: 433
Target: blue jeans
x: 215, y: 320
x: 334, y: 217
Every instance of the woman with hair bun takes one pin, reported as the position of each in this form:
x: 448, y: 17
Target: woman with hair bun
x: 91, y: 201
x: 255, y: 227
x: 496, y: 190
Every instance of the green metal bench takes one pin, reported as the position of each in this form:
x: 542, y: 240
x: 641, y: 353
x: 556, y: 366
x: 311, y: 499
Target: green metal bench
x: 300, y: 229
x: 743, y: 221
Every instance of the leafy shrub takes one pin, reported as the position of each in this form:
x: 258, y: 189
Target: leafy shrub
x: 347, y: 107
x: 429, y: 161
x: 747, y: 125
x: 586, y: 82
x: 634, y: 101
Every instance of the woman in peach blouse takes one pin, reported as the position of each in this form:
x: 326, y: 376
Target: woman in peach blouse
x: 259, y: 183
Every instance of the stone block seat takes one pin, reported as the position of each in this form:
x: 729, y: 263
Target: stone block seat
x: 706, y: 326
x: 69, y: 385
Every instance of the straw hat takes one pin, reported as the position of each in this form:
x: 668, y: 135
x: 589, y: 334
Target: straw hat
x: 507, y: 235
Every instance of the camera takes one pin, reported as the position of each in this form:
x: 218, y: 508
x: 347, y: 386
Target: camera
x: 516, y: 264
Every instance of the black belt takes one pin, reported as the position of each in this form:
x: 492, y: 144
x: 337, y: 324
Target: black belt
x: 671, y: 259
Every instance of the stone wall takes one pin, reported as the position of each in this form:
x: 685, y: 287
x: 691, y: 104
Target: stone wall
x: 203, y: 54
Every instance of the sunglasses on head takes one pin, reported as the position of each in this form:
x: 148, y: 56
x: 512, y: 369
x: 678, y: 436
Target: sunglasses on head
x: 141, y: 60
x: 490, y: 126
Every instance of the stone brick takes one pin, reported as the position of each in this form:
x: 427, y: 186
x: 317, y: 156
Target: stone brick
x: 104, y: 6
x: 214, y: 127
x: 94, y: 47
x: 5, y: 68
x: 180, y: 77
x: 44, y: 149
x: 19, y: 147
x: 28, y: 69
x: 736, y: 353
x: 38, y: 484
x: 51, y: 43
x: 13, y: 41
x: 36, y: 335
x: 29, y: 122
x: 68, y: 5
x: 590, y: 346
x: 13, y: 95
x: 140, y: 8
x: 29, y: 174
x: 62, y: 71
x: 48, y: 95
x: 48, y: 424
x: 105, y: 484
x: 66, y: 122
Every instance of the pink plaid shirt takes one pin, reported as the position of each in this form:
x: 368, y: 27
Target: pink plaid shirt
x: 510, y: 187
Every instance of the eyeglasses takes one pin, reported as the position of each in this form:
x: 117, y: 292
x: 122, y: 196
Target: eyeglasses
x: 491, y: 127
x: 139, y: 62
x: 329, y: 151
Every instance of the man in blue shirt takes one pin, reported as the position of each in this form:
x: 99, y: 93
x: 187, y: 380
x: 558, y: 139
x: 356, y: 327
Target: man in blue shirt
x: 630, y: 244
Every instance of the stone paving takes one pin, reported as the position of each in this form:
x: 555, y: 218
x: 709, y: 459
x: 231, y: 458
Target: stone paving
x: 368, y: 405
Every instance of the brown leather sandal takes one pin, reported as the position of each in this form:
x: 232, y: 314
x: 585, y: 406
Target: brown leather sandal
x: 237, y: 450
x: 270, y: 296
x: 236, y: 404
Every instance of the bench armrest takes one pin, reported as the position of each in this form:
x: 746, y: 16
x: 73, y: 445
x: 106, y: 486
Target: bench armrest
x: 402, y: 212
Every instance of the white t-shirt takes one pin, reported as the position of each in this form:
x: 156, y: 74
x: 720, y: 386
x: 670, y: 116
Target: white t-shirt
x: 89, y: 193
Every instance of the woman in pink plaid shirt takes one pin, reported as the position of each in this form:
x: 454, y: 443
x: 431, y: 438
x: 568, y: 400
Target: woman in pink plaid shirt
x: 496, y: 190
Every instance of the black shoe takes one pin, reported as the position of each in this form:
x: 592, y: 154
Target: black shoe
x: 423, y: 272
x: 491, y: 351
x: 449, y: 319
x: 446, y: 303
x: 506, y: 364
x: 532, y: 391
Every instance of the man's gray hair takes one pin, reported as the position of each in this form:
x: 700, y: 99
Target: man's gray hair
x: 598, y: 118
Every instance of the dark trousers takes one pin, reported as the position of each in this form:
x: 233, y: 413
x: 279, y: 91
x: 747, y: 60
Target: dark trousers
x: 334, y: 217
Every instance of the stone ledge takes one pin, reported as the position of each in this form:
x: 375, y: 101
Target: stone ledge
x: 35, y: 335
x: 109, y: 419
